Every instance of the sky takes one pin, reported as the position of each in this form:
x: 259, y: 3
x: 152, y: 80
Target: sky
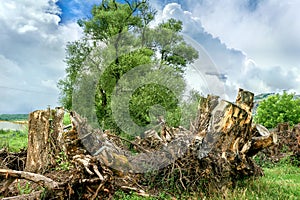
x: 250, y: 44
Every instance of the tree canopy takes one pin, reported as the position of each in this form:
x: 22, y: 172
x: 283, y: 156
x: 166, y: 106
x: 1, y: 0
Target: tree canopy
x: 126, y: 57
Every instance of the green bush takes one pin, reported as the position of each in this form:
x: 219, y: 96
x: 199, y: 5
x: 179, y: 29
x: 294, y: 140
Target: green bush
x: 278, y: 109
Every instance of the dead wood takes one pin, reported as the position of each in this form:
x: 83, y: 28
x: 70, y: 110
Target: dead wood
x: 213, y: 154
x: 6, y: 185
x: 13, y: 160
x: 288, y: 144
x: 31, y: 196
x: 44, y: 139
x: 37, y: 178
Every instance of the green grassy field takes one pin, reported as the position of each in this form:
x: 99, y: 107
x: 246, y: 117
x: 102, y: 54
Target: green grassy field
x: 13, y: 140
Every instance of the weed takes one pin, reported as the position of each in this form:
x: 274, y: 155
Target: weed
x: 67, y: 119
x: 62, y: 162
x: 26, y: 189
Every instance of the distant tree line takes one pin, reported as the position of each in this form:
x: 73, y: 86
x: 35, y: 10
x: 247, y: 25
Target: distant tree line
x: 13, y: 117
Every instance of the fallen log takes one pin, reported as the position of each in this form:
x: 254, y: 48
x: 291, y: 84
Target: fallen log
x: 37, y: 178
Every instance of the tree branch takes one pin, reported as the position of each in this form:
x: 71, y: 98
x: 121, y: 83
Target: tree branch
x: 37, y: 178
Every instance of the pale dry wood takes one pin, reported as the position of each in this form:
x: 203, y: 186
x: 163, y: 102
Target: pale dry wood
x: 38, y: 137
x: 138, y: 191
x: 45, y: 129
x: 99, y: 188
x: 37, y: 178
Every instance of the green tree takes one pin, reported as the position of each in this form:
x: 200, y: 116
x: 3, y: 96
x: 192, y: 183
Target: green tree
x: 173, y: 50
x: 123, y: 40
x: 278, y: 109
x: 77, y: 53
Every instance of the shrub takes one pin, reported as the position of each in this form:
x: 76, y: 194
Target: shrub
x: 278, y: 109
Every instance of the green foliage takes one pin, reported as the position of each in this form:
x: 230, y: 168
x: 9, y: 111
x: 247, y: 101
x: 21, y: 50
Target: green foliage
x: 62, y: 162
x: 66, y: 119
x: 170, y: 45
x: 111, y: 18
x: 117, y: 39
x: 277, y: 109
x: 13, y: 117
x: 26, y: 189
x: 108, y: 82
x: 13, y: 140
x: 77, y: 53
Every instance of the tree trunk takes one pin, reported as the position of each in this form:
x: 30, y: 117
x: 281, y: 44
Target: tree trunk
x: 44, y: 139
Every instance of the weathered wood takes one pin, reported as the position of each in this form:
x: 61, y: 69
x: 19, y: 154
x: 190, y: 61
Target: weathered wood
x: 45, y: 131
x: 57, y: 129
x: 37, y: 178
x: 228, y: 144
x: 38, y: 141
x: 261, y: 139
x: 283, y: 127
x: 245, y: 100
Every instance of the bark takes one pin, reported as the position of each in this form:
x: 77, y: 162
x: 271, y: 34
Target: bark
x: 37, y: 178
x: 38, y: 136
x: 230, y: 140
x: 45, y: 140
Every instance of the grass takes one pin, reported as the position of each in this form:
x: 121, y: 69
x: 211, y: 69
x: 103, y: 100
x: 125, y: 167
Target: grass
x: 13, y: 140
x: 279, y: 182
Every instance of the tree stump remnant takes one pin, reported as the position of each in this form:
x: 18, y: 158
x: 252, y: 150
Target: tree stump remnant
x: 43, y: 143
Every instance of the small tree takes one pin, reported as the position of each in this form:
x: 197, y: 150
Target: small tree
x: 278, y: 109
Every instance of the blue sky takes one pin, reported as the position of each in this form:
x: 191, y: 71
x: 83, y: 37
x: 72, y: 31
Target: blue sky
x: 74, y: 10
x: 254, y: 44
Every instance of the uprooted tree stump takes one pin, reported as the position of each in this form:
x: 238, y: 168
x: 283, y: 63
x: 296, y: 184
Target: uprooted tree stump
x: 220, y: 149
x: 214, y: 153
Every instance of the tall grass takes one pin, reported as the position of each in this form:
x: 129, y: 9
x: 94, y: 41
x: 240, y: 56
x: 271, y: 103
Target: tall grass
x: 13, y: 140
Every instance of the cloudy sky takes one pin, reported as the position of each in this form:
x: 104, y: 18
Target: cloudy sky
x: 253, y: 44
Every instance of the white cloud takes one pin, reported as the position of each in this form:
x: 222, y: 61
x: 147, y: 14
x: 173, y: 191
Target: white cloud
x: 31, y: 54
x: 257, y: 49
x: 241, y: 44
x: 269, y: 34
